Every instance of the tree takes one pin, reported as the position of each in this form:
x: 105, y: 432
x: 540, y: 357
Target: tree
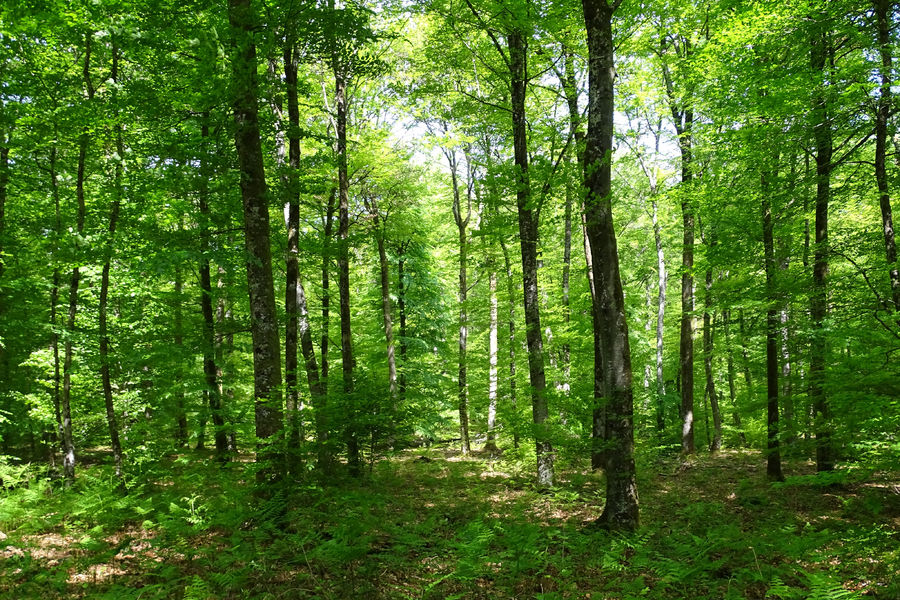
x: 614, y: 360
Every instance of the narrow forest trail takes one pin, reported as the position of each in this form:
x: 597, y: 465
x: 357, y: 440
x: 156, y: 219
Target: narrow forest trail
x: 433, y: 524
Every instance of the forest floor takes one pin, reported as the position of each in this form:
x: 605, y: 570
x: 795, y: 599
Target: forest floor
x: 430, y: 524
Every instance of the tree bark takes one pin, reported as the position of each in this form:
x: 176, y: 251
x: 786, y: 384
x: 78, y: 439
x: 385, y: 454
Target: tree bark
x: 263, y: 317
x: 621, y: 509
x: 883, y: 16
x: 528, y: 237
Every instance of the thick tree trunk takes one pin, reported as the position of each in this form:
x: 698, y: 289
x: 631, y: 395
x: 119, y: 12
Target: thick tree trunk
x: 211, y: 362
x: 883, y: 16
x: 819, y: 299
x: 621, y: 509
x: 528, y: 237
x: 263, y: 316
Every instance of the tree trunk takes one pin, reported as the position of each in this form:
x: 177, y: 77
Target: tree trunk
x: 660, y: 320
x: 732, y: 393
x: 462, y: 291
x: 66, y: 405
x: 773, y: 452
x: 54, y: 299
x: 716, y: 444
x: 683, y: 118
x: 181, y: 431
x: 385, y: 281
x: 401, y: 310
x: 599, y: 436
x: 621, y: 509
x: 883, y: 16
x: 511, y: 292
x: 211, y: 362
x: 491, y: 444
x: 347, y: 361
x: 819, y: 299
x: 528, y: 237
x: 263, y: 317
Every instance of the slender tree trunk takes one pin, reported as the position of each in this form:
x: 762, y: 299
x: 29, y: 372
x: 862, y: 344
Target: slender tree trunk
x: 493, y: 347
x: 819, y: 300
x: 716, y: 444
x: 732, y: 392
x: 660, y: 319
x: 567, y: 312
x: 211, y: 363
x: 401, y: 310
x: 114, y: 209
x: 463, y: 402
x: 263, y: 317
x: 54, y: 300
x: 4, y: 182
x: 292, y: 223
x: 528, y: 237
x: 621, y: 509
x: 683, y: 118
x: 883, y: 14
x: 773, y: 465
x: 511, y: 292
x: 385, y: 280
x: 181, y: 431
x: 326, y: 289
x: 347, y: 360
x: 66, y: 405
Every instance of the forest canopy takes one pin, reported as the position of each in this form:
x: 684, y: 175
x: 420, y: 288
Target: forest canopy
x: 314, y: 247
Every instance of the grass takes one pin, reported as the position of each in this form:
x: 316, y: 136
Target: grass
x: 434, y: 525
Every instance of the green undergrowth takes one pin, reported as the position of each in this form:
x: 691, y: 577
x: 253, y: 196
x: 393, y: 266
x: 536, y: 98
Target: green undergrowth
x: 433, y: 525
